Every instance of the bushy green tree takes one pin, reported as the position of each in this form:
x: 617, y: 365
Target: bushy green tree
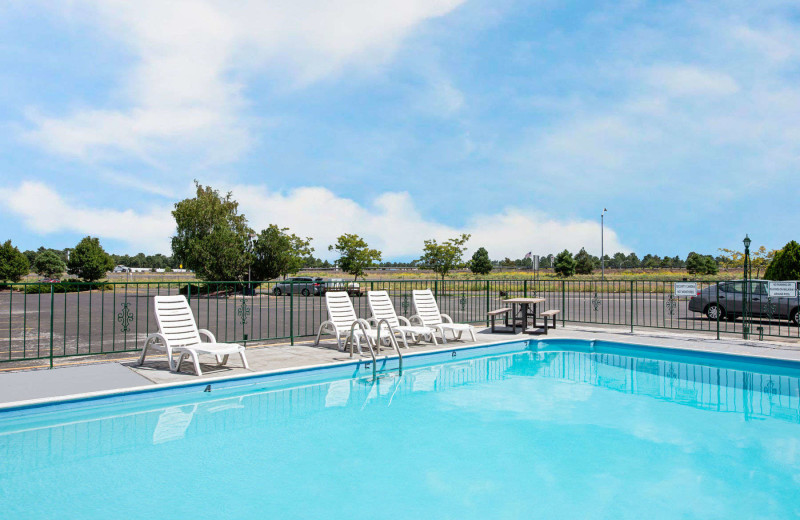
x: 355, y: 254
x: 564, y: 264
x: 213, y: 238
x: 443, y: 258
x: 701, y: 264
x: 13, y: 264
x: 277, y: 253
x: 89, y: 261
x: 49, y: 264
x: 583, y: 262
x: 785, y: 264
x: 480, y: 263
x: 631, y: 261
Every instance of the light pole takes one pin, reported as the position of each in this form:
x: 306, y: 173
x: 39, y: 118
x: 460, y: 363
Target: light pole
x: 746, y: 289
x: 602, y: 252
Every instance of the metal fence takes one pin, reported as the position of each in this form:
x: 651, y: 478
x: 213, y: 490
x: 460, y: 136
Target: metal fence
x: 50, y: 321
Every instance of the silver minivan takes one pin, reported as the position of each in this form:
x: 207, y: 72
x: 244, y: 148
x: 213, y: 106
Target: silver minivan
x: 305, y: 285
x: 730, y: 303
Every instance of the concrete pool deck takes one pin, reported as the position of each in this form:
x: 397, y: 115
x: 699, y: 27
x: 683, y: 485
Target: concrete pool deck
x: 120, y: 374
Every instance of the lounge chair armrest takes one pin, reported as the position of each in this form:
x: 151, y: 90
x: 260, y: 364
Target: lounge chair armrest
x: 446, y: 318
x: 372, y: 322
x: 156, y: 336
x: 404, y: 321
x: 365, y: 323
x: 415, y: 319
x: 207, y: 333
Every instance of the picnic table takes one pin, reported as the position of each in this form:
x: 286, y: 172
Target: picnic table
x: 524, y: 306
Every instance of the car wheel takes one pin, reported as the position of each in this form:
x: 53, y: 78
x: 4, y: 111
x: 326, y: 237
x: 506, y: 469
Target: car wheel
x: 277, y: 292
x: 795, y: 317
x: 714, y: 311
x: 305, y: 292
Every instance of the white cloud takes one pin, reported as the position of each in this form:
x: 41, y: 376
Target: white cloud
x: 185, y: 92
x: 685, y: 80
x: 392, y: 224
x: 45, y: 211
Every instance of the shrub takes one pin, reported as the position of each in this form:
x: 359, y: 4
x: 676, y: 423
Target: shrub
x: 564, y: 264
x: 480, y: 263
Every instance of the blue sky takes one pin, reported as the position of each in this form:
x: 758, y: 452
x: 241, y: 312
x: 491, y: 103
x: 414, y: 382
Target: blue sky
x: 514, y: 121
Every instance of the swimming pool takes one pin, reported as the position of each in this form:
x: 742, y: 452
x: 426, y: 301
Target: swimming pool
x: 550, y: 429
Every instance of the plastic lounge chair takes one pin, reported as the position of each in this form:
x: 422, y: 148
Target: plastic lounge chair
x: 382, y: 309
x: 341, y: 316
x: 178, y: 334
x: 428, y: 315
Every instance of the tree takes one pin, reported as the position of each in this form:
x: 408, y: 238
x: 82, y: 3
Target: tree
x: 13, y: 264
x: 480, y: 263
x: 277, y: 253
x: 631, y: 261
x: 564, y: 264
x: 49, y: 264
x: 443, y: 258
x: 213, y: 238
x: 761, y: 258
x: 701, y: 264
x: 354, y: 254
x: 786, y: 264
x: 89, y: 261
x: 583, y: 262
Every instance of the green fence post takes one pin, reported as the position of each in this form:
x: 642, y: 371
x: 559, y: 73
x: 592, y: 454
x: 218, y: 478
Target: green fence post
x: 487, y: 302
x: 52, y: 298
x: 717, y: 300
x: 436, y: 290
x: 189, y: 292
x: 563, y: 302
x: 291, y: 312
x: 631, y: 305
x: 525, y: 288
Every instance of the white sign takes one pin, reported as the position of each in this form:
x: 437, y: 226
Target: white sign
x: 535, y: 261
x: 783, y: 289
x: 685, y: 288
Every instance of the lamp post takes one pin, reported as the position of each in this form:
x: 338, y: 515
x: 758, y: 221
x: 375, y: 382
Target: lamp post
x: 746, y: 289
x: 602, y: 252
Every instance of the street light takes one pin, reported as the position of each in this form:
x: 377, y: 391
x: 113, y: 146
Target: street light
x: 602, y: 253
x: 746, y: 289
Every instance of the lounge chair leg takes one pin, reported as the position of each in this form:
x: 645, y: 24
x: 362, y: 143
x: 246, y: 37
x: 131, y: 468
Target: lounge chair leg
x: 244, y: 359
x: 144, y: 353
x: 196, y: 360
x: 177, y: 366
x: 224, y: 360
x: 472, y: 333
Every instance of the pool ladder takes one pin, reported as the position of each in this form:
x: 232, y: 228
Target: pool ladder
x: 364, y: 326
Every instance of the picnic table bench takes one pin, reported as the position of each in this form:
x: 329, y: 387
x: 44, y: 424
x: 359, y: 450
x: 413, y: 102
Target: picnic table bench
x: 549, y: 313
x: 493, y: 315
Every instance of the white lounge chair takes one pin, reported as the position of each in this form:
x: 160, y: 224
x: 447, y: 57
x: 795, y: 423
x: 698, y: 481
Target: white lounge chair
x: 178, y: 334
x: 428, y: 315
x: 341, y: 316
x: 382, y: 309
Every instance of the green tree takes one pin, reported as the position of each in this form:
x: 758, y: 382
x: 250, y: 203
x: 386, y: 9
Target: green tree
x: 213, y: 238
x: 277, y: 253
x: 480, y: 263
x: 701, y: 264
x: 443, y: 258
x: 631, y: 261
x: 49, y: 264
x: 786, y: 263
x: 564, y: 264
x: 354, y: 254
x: 13, y: 264
x: 583, y: 262
x: 89, y: 261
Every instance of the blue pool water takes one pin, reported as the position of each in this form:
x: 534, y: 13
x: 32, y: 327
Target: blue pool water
x: 550, y: 430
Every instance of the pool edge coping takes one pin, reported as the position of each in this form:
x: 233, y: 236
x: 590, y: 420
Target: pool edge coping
x: 158, y: 387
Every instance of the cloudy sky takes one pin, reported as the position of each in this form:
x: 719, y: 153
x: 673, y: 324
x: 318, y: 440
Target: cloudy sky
x: 517, y: 122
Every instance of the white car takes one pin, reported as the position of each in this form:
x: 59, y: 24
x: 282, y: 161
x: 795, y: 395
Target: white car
x: 121, y: 269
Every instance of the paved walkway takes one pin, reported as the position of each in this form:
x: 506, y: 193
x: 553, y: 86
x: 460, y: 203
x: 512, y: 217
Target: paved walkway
x: 121, y: 374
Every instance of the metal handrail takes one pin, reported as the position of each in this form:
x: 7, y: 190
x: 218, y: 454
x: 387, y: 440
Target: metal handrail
x: 351, y: 341
x: 392, y: 340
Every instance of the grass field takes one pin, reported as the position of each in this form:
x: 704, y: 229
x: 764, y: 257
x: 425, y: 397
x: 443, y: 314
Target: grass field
x: 544, y: 274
